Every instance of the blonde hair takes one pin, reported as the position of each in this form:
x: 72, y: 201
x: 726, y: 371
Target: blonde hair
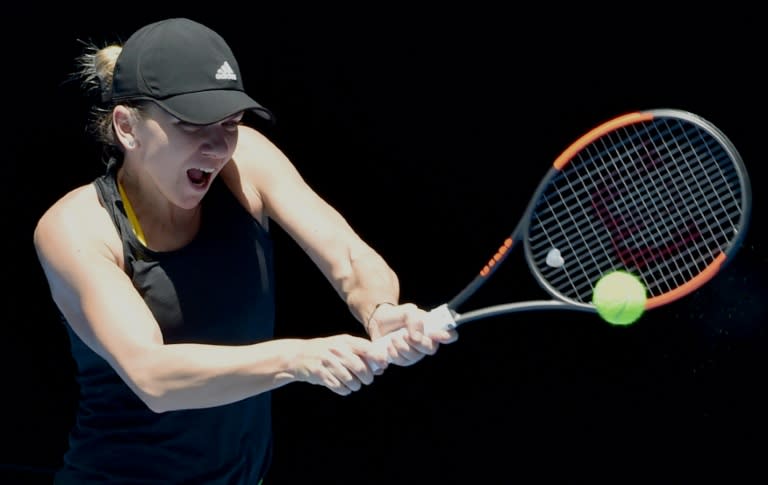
x: 95, y: 69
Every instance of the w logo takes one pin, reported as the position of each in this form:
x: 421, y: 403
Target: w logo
x: 630, y: 223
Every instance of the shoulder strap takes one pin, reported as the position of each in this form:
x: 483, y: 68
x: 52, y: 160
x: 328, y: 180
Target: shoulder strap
x: 109, y: 196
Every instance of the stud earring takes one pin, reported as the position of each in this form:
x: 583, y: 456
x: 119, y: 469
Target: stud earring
x: 131, y: 144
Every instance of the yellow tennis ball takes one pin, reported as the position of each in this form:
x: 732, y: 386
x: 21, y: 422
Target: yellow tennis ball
x: 619, y: 298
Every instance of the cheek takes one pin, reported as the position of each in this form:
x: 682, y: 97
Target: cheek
x: 174, y: 144
x: 154, y: 139
x: 232, y: 141
x: 165, y: 153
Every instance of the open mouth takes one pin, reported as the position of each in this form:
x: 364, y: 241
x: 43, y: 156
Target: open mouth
x: 199, y: 176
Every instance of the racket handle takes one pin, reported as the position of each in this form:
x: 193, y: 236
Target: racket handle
x: 438, y: 319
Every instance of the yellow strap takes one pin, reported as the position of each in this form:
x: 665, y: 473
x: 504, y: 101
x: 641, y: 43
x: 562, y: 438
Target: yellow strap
x: 131, y: 215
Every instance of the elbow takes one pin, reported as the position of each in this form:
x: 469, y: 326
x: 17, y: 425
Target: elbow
x: 156, y: 405
x: 155, y: 401
x: 150, y: 392
x: 145, y: 373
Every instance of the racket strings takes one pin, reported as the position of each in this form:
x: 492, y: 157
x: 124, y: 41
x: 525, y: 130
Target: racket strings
x: 703, y: 193
x: 625, y: 228
x: 675, y: 227
x: 660, y: 198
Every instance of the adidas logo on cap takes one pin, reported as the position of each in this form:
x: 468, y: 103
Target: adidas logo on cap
x: 226, y: 72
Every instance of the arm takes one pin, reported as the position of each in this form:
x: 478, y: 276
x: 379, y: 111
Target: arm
x: 267, y: 183
x: 81, y: 256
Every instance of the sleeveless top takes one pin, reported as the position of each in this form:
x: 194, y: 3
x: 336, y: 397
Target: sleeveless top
x: 218, y: 289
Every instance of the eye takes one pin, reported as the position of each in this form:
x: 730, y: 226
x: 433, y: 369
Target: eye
x: 231, y: 124
x: 188, y: 127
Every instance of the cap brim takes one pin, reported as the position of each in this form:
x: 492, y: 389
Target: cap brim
x: 206, y: 107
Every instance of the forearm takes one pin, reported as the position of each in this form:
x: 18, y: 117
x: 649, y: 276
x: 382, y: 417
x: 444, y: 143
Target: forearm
x: 369, y: 281
x: 186, y: 376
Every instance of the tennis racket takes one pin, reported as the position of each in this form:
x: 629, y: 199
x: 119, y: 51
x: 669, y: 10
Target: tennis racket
x: 662, y: 194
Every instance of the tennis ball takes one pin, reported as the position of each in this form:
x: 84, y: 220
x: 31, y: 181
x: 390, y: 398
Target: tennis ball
x: 619, y: 298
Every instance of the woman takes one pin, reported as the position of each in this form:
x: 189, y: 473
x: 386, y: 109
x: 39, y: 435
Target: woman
x: 162, y: 271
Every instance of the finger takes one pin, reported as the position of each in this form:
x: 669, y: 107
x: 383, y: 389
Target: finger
x: 376, y: 356
x: 448, y: 336
x: 345, y: 376
x: 361, y: 370
x: 399, y: 345
x: 405, y: 356
x: 362, y: 358
x: 424, y: 344
x: 330, y: 381
x: 443, y: 335
x: 356, y: 370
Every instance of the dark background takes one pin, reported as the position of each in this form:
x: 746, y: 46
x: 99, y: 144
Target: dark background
x: 428, y: 129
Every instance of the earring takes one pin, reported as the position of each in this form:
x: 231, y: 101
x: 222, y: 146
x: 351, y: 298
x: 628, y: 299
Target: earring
x: 131, y: 144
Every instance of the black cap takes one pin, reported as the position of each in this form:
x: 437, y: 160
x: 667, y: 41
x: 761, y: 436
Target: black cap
x: 186, y: 68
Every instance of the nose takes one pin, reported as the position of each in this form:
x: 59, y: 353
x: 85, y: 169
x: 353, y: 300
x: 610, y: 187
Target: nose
x: 217, y: 142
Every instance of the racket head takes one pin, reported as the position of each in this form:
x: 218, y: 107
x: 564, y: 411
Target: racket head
x: 662, y: 194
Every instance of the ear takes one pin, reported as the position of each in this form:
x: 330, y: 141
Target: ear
x: 124, y: 124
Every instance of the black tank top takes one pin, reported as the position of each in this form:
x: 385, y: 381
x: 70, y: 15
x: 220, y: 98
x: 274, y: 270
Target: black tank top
x: 218, y: 289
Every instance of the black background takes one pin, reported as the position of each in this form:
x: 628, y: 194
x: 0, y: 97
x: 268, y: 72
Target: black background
x: 428, y: 129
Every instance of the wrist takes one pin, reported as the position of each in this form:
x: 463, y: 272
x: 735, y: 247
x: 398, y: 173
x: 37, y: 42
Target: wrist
x: 371, y: 319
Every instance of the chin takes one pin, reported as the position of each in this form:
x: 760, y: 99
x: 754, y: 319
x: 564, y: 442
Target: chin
x: 190, y: 202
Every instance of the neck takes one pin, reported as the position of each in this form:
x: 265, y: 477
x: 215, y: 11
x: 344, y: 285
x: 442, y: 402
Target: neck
x: 164, y: 225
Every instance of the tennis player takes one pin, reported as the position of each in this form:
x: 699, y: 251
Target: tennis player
x: 162, y: 271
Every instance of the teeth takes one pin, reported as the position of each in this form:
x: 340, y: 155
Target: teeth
x: 206, y: 170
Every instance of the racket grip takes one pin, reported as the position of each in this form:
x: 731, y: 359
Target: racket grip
x: 438, y: 319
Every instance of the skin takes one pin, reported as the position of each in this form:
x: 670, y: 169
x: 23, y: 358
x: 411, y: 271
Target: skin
x: 81, y: 254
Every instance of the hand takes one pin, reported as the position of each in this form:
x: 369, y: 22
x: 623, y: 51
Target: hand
x: 410, y: 345
x: 342, y: 363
